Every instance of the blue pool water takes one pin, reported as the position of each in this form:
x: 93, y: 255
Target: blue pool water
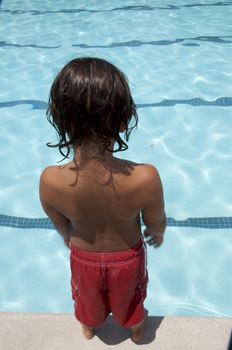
x: 178, y: 60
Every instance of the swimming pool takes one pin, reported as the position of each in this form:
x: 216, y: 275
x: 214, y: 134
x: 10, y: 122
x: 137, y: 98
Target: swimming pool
x: 178, y: 61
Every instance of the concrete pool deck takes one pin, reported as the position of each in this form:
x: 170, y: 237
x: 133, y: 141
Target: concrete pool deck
x: 62, y: 332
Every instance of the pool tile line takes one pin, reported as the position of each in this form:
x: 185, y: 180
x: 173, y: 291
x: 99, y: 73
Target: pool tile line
x: 189, y: 41
x: 195, y: 102
x: 123, y: 8
x: 183, y: 41
x: 44, y: 223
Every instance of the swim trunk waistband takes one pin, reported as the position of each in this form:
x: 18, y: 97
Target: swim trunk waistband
x: 108, y: 257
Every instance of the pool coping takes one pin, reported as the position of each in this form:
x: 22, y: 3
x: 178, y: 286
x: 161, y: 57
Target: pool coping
x: 61, y: 331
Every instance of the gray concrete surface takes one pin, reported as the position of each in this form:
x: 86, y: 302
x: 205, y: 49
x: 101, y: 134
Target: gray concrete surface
x: 62, y: 332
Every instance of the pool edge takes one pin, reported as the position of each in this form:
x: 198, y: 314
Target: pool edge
x: 61, y: 331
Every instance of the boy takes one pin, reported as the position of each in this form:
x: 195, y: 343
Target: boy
x: 95, y: 200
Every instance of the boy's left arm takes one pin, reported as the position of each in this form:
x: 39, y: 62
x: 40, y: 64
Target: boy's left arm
x: 61, y: 222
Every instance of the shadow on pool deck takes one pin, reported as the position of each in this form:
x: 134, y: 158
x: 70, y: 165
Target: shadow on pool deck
x: 112, y: 334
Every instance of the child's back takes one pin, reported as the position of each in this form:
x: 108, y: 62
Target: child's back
x: 103, y: 202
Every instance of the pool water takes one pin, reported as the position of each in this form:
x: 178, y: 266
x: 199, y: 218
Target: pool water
x: 178, y: 61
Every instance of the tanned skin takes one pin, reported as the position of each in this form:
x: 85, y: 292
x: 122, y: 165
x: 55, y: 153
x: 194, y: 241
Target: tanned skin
x: 97, y: 204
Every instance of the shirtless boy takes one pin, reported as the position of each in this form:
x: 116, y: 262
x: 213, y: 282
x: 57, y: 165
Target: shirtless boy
x: 95, y: 200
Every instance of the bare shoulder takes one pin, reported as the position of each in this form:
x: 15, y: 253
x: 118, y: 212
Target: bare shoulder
x: 142, y: 173
x: 148, y: 173
x: 49, y: 186
x: 49, y: 174
x: 51, y: 179
x: 149, y: 182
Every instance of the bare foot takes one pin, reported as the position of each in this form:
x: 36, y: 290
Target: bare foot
x: 87, y: 332
x: 138, y: 330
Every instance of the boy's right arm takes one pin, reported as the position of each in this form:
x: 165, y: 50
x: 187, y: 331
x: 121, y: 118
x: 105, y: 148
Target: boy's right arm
x: 153, y: 213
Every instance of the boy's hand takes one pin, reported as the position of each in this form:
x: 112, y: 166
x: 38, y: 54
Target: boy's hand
x: 154, y: 240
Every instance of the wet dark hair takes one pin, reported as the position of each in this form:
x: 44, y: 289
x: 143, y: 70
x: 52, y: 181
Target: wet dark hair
x: 90, y: 99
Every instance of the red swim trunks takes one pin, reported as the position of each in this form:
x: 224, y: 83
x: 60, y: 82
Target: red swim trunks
x: 109, y: 282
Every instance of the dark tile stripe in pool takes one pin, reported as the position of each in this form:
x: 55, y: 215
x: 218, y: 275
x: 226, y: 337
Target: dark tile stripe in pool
x: 4, y: 43
x: 196, y: 102
x: 44, y: 223
x: 227, y: 39
x: 191, y: 41
x: 36, y: 104
x: 123, y: 8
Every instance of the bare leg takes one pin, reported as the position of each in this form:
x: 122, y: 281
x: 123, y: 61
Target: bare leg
x: 87, y: 332
x: 138, y: 330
